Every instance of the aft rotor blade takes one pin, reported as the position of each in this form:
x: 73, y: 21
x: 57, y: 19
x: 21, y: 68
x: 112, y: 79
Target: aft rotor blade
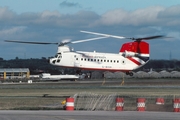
x: 121, y: 37
x: 86, y: 40
x: 106, y: 35
x: 148, y: 38
x: 16, y: 41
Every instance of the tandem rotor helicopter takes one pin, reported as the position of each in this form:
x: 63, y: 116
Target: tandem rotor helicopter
x: 132, y: 55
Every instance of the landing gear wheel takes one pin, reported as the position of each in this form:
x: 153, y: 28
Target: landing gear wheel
x: 129, y: 73
x: 78, y: 72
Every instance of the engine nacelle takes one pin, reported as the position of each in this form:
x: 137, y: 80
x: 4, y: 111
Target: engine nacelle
x: 63, y: 49
x: 129, y: 54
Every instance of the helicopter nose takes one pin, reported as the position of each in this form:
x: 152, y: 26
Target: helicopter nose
x: 52, y: 61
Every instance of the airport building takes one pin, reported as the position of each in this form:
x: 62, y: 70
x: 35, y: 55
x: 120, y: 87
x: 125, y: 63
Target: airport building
x: 14, y: 73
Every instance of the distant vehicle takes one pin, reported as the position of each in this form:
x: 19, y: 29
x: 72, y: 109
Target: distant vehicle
x: 48, y: 76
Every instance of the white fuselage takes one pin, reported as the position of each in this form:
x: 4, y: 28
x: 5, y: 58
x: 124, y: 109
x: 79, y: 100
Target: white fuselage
x: 93, y: 60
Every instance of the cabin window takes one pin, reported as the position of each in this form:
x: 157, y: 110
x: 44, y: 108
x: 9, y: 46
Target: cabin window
x: 81, y: 59
x: 91, y: 59
x: 107, y: 60
x: 58, y: 60
x: 76, y: 58
x: 104, y: 60
x: 95, y: 60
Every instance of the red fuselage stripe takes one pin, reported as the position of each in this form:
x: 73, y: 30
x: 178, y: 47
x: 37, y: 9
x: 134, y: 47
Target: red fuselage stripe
x: 134, y: 61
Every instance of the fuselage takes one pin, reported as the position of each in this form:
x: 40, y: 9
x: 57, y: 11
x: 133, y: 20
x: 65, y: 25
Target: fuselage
x: 94, y: 60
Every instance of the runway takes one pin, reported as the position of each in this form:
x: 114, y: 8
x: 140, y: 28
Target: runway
x: 87, y: 115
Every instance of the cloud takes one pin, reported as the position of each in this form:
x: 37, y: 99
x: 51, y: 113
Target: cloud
x: 137, y: 17
x: 171, y: 15
x: 172, y: 12
x: 53, y: 26
x: 155, y: 15
x: 47, y: 14
x: 6, y: 14
x: 151, y: 16
x: 69, y: 4
x: 11, y: 31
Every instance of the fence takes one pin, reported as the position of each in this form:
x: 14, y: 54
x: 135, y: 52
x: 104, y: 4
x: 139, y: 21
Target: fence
x: 95, y: 102
x: 92, y: 101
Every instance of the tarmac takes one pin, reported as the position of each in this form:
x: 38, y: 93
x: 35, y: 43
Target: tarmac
x: 86, y: 115
x: 94, y: 115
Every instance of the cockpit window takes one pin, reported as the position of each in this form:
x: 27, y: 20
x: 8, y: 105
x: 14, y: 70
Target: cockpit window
x: 58, y: 60
x: 58, y: 55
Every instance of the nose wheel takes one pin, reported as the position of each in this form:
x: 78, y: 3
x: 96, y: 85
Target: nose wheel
x: 78, y: 71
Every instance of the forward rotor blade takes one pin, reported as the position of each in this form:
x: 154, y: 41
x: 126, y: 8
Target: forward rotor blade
x: 86, y: 40
x: 106, y: 35
x: 16, y: 41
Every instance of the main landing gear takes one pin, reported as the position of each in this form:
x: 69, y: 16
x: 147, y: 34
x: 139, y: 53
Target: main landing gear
x: 129, y: 73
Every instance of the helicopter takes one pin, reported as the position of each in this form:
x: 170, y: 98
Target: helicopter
x: 131, y: 56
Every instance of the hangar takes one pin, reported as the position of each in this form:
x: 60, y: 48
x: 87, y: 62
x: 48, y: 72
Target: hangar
x: 14, y: 73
